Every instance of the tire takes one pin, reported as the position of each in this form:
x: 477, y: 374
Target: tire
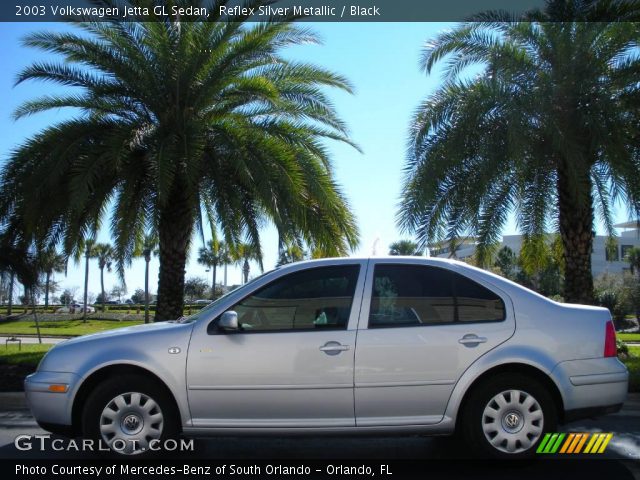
x: 507, y: 416
x: 128, y: 414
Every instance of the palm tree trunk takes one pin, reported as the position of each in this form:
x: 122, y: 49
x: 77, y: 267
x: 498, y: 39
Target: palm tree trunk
x: 46, y: 291
x: 35, y: 316
x: 146, y: 290
x: 575, y: 206
x: 11, y: 280
x: 175, y: 227
x: 245, y: 270
x: 86, y: 286
x: 214, y: 267
x: 102, y: 287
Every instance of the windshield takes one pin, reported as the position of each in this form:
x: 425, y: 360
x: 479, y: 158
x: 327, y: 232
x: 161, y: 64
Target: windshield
x: 205, y: 311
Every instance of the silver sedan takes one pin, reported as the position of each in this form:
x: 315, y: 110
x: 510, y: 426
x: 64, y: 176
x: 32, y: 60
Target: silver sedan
x: 343, y: 346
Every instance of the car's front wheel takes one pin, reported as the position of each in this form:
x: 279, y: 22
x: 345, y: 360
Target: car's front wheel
x: 507, y: 415
x: 130, y: 414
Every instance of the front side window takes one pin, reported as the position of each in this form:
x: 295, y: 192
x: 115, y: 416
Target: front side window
x: 414, y: 295
x: 313, y: 299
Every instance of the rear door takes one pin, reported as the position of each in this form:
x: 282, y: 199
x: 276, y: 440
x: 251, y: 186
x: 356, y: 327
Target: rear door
x: 422, y: 325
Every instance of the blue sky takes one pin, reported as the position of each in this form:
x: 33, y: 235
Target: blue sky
x: 381, y: 61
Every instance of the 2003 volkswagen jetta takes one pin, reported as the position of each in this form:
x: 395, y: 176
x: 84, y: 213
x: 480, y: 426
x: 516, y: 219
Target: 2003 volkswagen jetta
x: 397, y: 345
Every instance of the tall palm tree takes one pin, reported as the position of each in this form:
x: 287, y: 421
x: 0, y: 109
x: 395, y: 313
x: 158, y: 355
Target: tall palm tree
x: 404, y: 247
x: 104, y: 253
x: 148, y: 247
x: 50, y: 262
x: 537, y: 117
x: 12, y: 279
x: 183, y: 123
x: 242, y: 254
x: 19, y: 260
x: 86, y: 246
x: 214, y: 255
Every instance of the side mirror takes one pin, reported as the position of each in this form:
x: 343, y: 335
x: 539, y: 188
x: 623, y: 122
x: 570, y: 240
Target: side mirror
x: 228, y: 321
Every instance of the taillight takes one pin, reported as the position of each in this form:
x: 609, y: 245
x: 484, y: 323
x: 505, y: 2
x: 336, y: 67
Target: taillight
x: 610, y: 340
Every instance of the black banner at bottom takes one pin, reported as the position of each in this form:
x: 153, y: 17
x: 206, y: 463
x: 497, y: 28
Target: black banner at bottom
x: 392, y: 469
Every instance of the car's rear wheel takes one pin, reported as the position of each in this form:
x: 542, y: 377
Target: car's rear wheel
x: 130, y: 414
x: 507, y: 416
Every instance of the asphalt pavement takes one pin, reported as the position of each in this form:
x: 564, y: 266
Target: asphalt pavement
x: 15, y: 419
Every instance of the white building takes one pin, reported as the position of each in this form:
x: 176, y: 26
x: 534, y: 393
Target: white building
x: 629, y: 236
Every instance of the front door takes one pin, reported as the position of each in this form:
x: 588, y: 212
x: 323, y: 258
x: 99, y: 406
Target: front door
x: 291, y: 362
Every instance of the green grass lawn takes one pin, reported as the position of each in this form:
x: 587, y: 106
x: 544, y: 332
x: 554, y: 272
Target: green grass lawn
x: 62, y: 327
x: 629, y: 337
x: 29, y: 354
x: 633, y: 364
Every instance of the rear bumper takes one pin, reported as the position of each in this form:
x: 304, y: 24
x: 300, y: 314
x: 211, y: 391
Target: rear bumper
x: 591, y: 387
x: 590, y: 412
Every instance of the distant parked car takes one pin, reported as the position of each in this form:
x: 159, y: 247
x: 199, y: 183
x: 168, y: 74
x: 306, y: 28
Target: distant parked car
x: 128, y: 301
x: 202, y: 301
x: 380, y: 345
x: 75, y: 308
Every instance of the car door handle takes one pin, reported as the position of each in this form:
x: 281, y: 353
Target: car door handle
x: 333, y: 348
x: 472, y: 340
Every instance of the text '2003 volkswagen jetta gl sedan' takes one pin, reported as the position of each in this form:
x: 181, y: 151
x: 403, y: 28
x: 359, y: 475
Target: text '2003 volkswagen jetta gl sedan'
x: 380, y: 345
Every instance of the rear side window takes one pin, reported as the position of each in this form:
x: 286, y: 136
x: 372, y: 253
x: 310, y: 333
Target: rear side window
x: 415, y: 295
x: 475, y: 302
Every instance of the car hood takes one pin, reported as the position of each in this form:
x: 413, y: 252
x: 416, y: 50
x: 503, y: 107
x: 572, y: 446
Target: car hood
x: 117, y: 332
x: 138, y: 345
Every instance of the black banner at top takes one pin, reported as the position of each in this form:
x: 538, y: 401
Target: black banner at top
x: 312, y: 10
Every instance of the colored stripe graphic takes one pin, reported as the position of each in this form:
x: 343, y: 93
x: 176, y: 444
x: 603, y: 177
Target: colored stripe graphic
x: 550, y: 443
x: 557, y: 444
x: 567, y: 443
x: 574, y: 443
x: 590, y: 444
x: 543, y: 443
x: 581, y: 444
x: 605, y: 442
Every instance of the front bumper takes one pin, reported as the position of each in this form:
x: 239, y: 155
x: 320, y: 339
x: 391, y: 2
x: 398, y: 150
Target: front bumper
x: 51, y: 407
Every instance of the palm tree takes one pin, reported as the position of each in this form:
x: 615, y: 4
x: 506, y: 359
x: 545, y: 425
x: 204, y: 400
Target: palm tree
x: 632, y: 257
x: 404, y: 247
x: 291, y: 253
x: 215, y: 254
x: 104, y: 253
x: 182, y: 124
x: 506, y: 261
x: 50, y: 262
x: 243, y: 253
x: 148, y: 247
x: 513, y: 137
x: 17, y: 259
x: 86, y: 245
